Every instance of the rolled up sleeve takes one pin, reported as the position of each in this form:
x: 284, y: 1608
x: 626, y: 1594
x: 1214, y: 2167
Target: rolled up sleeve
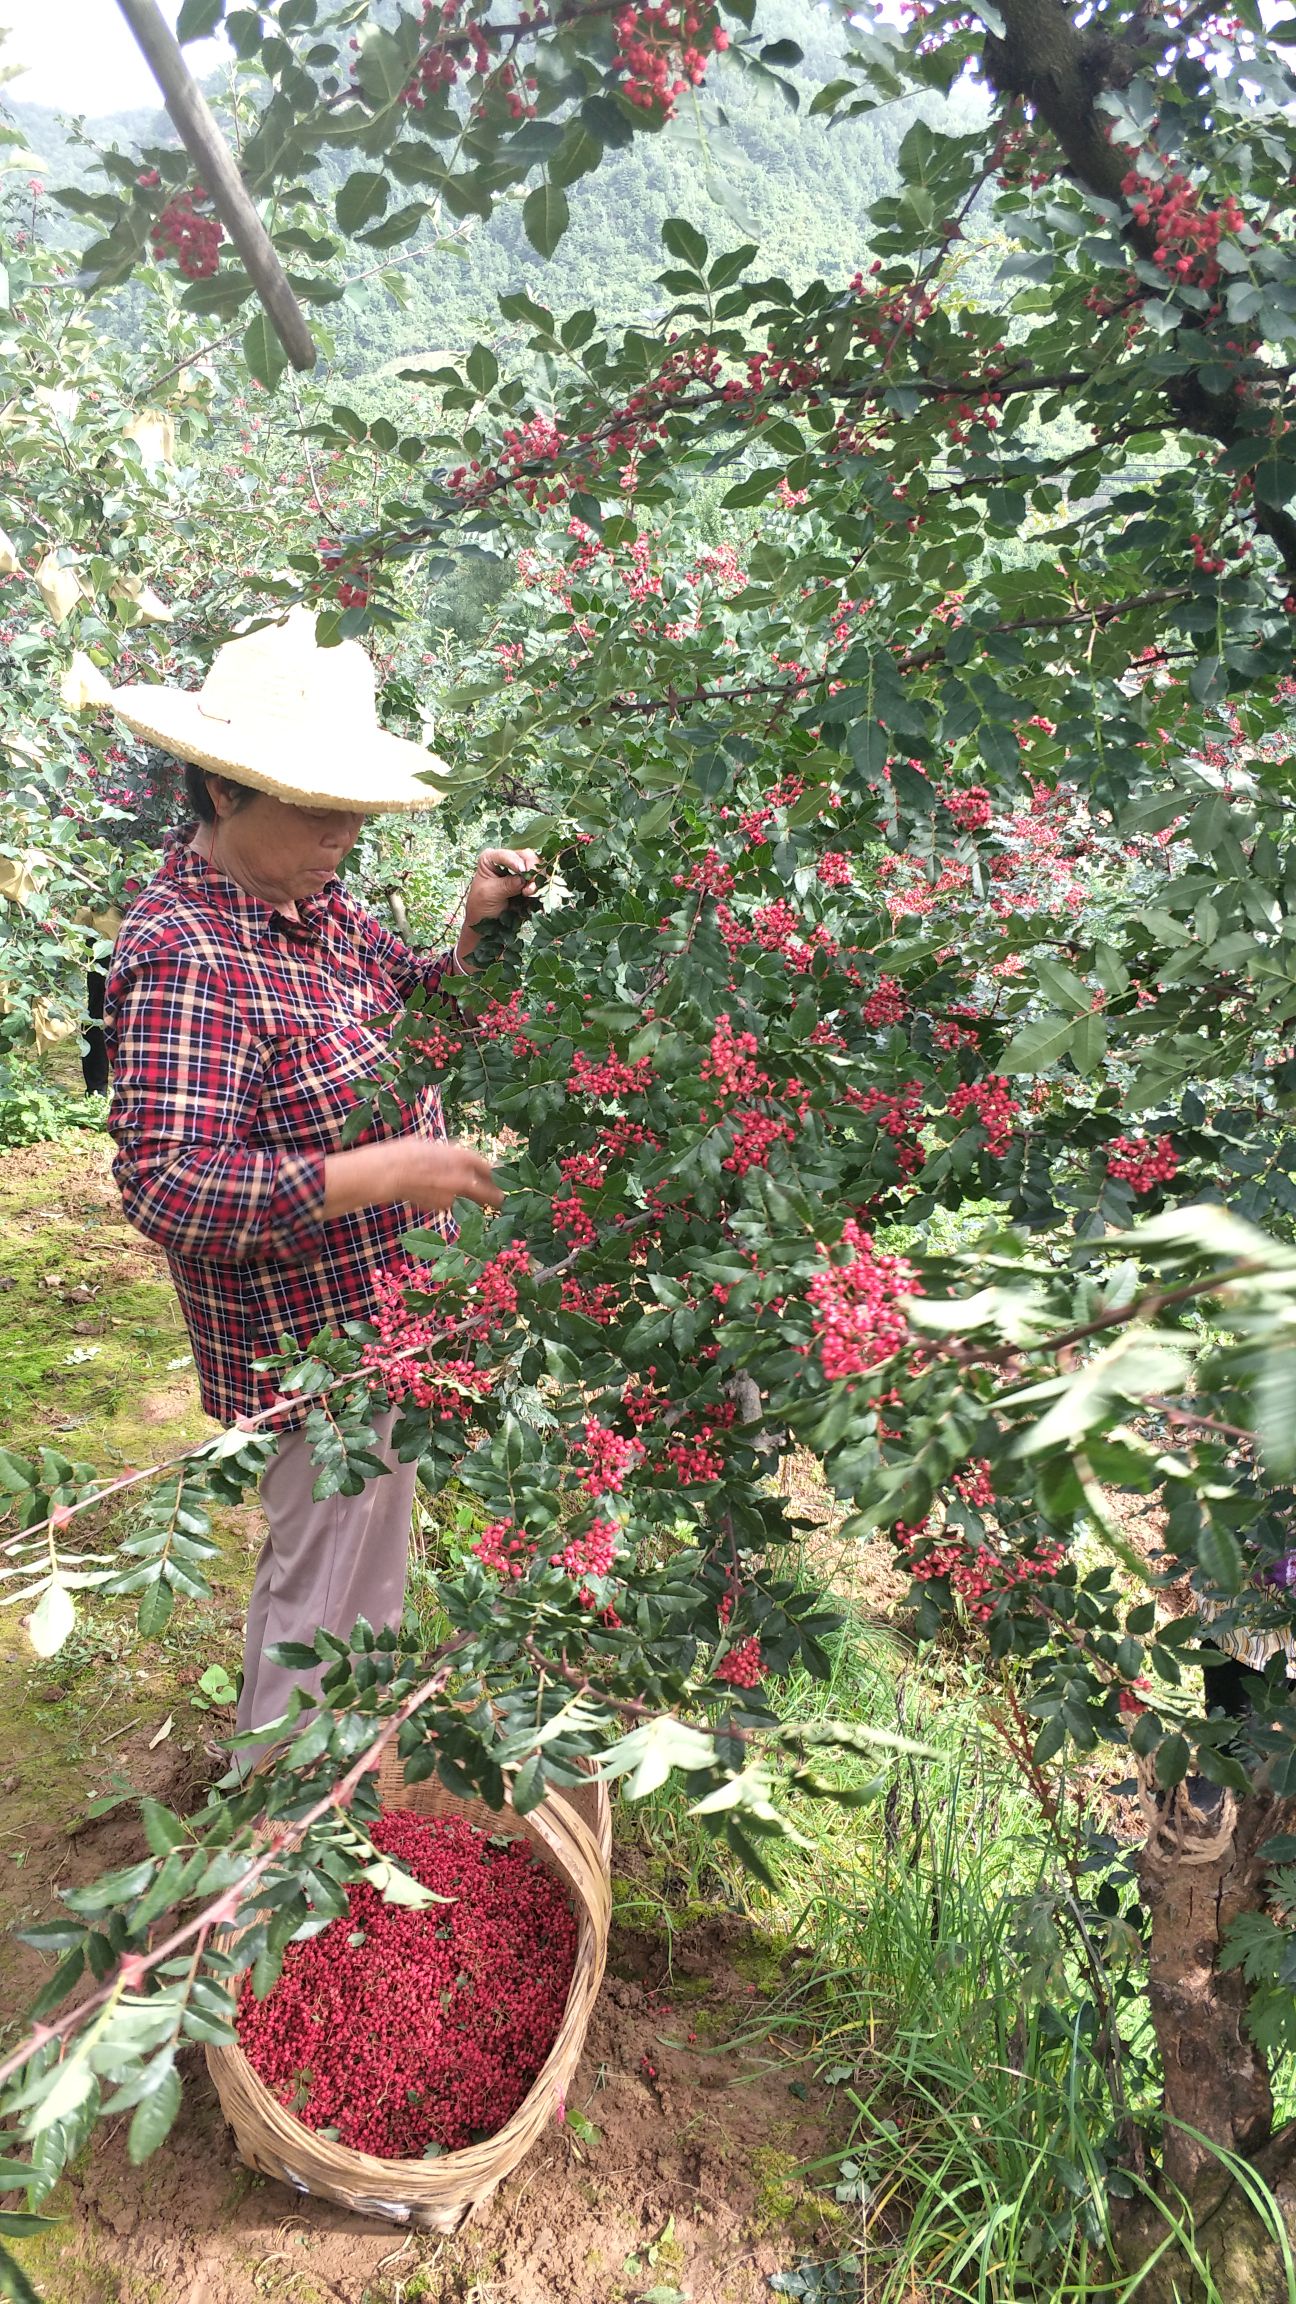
x: 187, y: 1082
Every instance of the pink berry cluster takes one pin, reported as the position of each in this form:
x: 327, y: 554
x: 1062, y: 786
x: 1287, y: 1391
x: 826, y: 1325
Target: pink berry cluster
x: 435, y: 1045
x: 1141, y: 1162
x: 834, y: 869
x: 755, y: 1135
x: 193, y: 239
x: 398, y: 2029
x: 589, y: 1554
x: 975, y: 1484
x: 608, y: 1457
x: 710, y: 876
x: 409, y: 1351
x: 990, y: 1102
x: 600, y: 1303
x: 506, y: 1020
x: 887, y: 1003
x: 979, y: 1578
x: 437, y: 65
x: 899, y: 1116
x: 611, y: 1076
x: 732, y: 1062
x: 856, y: 1314
x: 353, y: 588
x: 1187, y: 235
x: 971, y: 810
x: 664, y: 50
x: 504, y: 1548
x: 741, y: 1667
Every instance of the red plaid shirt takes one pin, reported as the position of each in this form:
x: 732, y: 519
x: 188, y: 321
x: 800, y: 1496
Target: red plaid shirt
x: 236, y: 1039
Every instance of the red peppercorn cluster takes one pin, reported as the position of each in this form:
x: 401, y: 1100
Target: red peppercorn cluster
x: 408, y: 1352
x: 613, y: 1076
x: 505, y: 1020
x: 572, y: 1221
x: 971, y: 810
x: 1187, y: 235
x: 662, y: 51
x: 601, y: 1303
x: 980, y: 1578
x: 403, y: 2029
x: 755, y: 1135
x: 857, y: 1318
x: 835, y: 869
x: 353, y: 588
x: 435, y: 1045
x: 193, y: 239
x: 731, y: 1063
x: 976, y: 1485
x: 900, y: 1117
x: 591, y: 1553
x: 1141, y: 1163
x: 609, y: 1456
x: 888, y: 1003
x: 741, y: 1667
x: 990, y: 1102
x: 710, y: 876
x: 504, y: 1548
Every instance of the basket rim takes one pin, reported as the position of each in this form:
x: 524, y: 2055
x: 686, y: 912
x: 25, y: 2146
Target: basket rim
x: 407, y: 2178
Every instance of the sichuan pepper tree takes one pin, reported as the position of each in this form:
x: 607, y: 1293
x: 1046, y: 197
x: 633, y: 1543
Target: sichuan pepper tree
x: 901, y: 1063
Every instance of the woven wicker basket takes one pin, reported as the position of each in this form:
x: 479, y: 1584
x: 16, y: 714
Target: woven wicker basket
x: 572, y: 1836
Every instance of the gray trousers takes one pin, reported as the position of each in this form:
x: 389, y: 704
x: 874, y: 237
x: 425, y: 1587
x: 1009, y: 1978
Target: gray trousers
x: 321, y: 1566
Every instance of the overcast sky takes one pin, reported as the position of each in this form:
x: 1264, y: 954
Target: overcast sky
x: 79, y: 56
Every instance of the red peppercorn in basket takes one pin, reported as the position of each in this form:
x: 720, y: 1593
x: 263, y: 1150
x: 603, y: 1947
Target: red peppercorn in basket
x: 437, y: 2193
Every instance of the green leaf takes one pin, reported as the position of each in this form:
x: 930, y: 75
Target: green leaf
x: 263, y: 351
x: 1221, y: 1556
x: 361, y: 200
x: 154, y: 2115
x: 578, y: 154
x: 198, y: 18
x: 685, y: 241
x: 529, y: 1784
x: 482, y: 369
x: 545, y: 217
x: 1038, y: 1045
x: 1172, y: 1758
x: 14, y: 2283
x: 162, y: 1829
x: 156, y: 1604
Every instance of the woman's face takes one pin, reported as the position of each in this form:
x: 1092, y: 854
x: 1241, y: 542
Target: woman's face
x: 276, y: 850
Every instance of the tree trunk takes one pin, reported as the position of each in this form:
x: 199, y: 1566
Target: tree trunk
x: 1198, y: 1873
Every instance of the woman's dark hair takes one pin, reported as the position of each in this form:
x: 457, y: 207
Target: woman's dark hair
x: 200, y: 799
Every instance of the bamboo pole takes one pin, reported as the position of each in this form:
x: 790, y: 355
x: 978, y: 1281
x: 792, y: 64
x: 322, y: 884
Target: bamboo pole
x: 202, y: 139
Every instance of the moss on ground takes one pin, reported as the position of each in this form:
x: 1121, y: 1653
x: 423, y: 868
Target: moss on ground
x: 94, y: 1361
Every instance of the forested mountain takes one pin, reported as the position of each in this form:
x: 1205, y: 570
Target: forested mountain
x: 757, y: 170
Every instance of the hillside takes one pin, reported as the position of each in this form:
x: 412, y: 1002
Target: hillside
x: 750, y: 167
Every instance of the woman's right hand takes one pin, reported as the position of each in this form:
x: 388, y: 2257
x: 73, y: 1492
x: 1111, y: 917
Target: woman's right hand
x: 439, y: 1172
x: 427, y: 1172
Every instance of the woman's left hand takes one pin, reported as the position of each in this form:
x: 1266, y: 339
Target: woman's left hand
x: 499, y: 877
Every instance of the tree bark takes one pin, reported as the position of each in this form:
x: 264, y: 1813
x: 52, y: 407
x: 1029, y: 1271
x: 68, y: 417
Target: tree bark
x: 1196, y: 1879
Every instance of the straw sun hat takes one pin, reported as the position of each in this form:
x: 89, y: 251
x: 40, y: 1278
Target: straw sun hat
x: 291, y: 718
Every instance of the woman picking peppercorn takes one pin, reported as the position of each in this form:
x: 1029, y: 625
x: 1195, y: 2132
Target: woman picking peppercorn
x: 241, y: 1016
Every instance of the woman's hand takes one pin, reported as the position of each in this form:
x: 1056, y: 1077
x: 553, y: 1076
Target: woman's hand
x: 436, y: 1174
x: 500, y: 876
x: 430, y: 1173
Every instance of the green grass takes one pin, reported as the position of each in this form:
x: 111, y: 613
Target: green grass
x: 914, y: 1944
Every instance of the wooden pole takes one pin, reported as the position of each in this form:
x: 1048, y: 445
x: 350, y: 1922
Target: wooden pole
x: 211, y: 155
